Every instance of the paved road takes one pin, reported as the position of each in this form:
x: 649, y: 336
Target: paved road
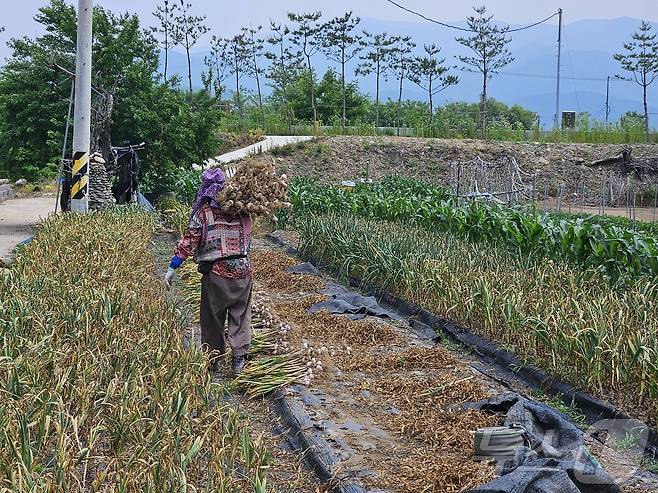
x: 264, y: 145
x: 17, y: 220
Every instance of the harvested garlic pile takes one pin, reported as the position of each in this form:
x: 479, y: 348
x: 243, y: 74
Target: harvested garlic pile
x: 254, y: 189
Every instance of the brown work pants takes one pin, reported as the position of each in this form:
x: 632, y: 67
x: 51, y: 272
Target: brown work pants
x: 222, y: 297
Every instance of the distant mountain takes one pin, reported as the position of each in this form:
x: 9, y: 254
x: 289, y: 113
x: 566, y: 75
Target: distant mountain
x: 587, y: 59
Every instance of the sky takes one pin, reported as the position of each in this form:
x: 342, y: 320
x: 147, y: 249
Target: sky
x: 227, y: 17
x: 587, y: 47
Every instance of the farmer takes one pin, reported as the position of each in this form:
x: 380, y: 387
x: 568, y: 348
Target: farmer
x: 220, y: 246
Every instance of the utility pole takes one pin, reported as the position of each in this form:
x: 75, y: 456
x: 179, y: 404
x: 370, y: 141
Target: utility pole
x: 607, y: 100
x: 556, y: 123
x: 82, y: 113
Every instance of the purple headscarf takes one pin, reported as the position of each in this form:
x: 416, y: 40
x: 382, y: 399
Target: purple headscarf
x: 212, y: 181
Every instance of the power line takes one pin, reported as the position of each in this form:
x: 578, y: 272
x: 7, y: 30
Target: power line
x: 545, y: 76
x: 450, y: 26
x: 551, y: 77
x: 534, y: 24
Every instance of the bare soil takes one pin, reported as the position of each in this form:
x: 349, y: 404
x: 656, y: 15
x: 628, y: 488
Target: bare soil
x: 335, y: 159
x: 645, y: 214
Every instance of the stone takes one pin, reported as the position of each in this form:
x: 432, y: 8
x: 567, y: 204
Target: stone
x: 100, y: 189
x: 6, y: 192
x: 21, y: 183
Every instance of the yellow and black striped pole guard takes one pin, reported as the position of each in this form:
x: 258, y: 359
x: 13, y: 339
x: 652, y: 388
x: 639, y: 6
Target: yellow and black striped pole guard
x: 80, y: 175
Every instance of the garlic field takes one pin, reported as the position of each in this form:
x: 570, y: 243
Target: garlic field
x: 98, y: 391
x: 576, y: 296
x: 105, y: 389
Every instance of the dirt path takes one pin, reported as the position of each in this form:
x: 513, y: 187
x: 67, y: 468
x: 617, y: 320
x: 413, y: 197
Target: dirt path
x: 288, y: 473
x: 646, y: 214
x: 389, y: 401
x: 17, y: 220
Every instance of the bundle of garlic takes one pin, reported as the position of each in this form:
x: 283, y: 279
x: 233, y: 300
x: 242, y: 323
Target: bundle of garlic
x: 254, y: 189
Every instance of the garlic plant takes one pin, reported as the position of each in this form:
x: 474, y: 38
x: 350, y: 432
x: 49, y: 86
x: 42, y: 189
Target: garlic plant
x: 255, y: 189
x: 98, y: 391
x: 568, y: 320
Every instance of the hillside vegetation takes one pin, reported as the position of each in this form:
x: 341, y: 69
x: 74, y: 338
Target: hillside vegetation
x: 334, y: 159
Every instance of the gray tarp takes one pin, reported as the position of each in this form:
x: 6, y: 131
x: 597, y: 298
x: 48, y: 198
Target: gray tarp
x: 555, y: 460
x: 305, y: 268
x: 355, y: 306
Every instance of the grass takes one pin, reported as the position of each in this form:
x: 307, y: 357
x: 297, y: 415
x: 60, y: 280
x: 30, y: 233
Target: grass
x: 559, y: 403
x: 98, y: 391
x: 31, y: 189
x: 288, y: 149
x: 565, y: 319
x: 588, y: 134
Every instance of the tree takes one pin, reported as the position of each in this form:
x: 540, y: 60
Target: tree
x: 35, y: 86
x: 641, y: 58
x: 412, y: 113
x: 34, y: 110
x: 236, y: 53
x: 401, y: 62
x: 374, y: 61
x: 331, y: 96
x: 255, y: 51
x: 166, y: 16
x: 631, y: 120
x: 189, y: 29
x: 217, y: 64
x: 464, y: 117
x: 488, y: 44
x: 430, y: 74
x: 306, y: 36
x: 284, y: 68
x: 341, y: 45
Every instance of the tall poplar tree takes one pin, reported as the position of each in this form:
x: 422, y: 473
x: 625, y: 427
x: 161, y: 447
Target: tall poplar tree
x: 430, y: 73
x: 254, y: 46
x: 285, y: 66
x: 218, y: 68
x: 378, y: 49
x: 236, y: 52
x: 166, y: 31
x: 401, y: 63
x: 189, y: 29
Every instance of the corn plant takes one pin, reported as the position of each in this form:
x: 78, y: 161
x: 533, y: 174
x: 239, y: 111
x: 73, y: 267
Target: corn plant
x: 618, y: 251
